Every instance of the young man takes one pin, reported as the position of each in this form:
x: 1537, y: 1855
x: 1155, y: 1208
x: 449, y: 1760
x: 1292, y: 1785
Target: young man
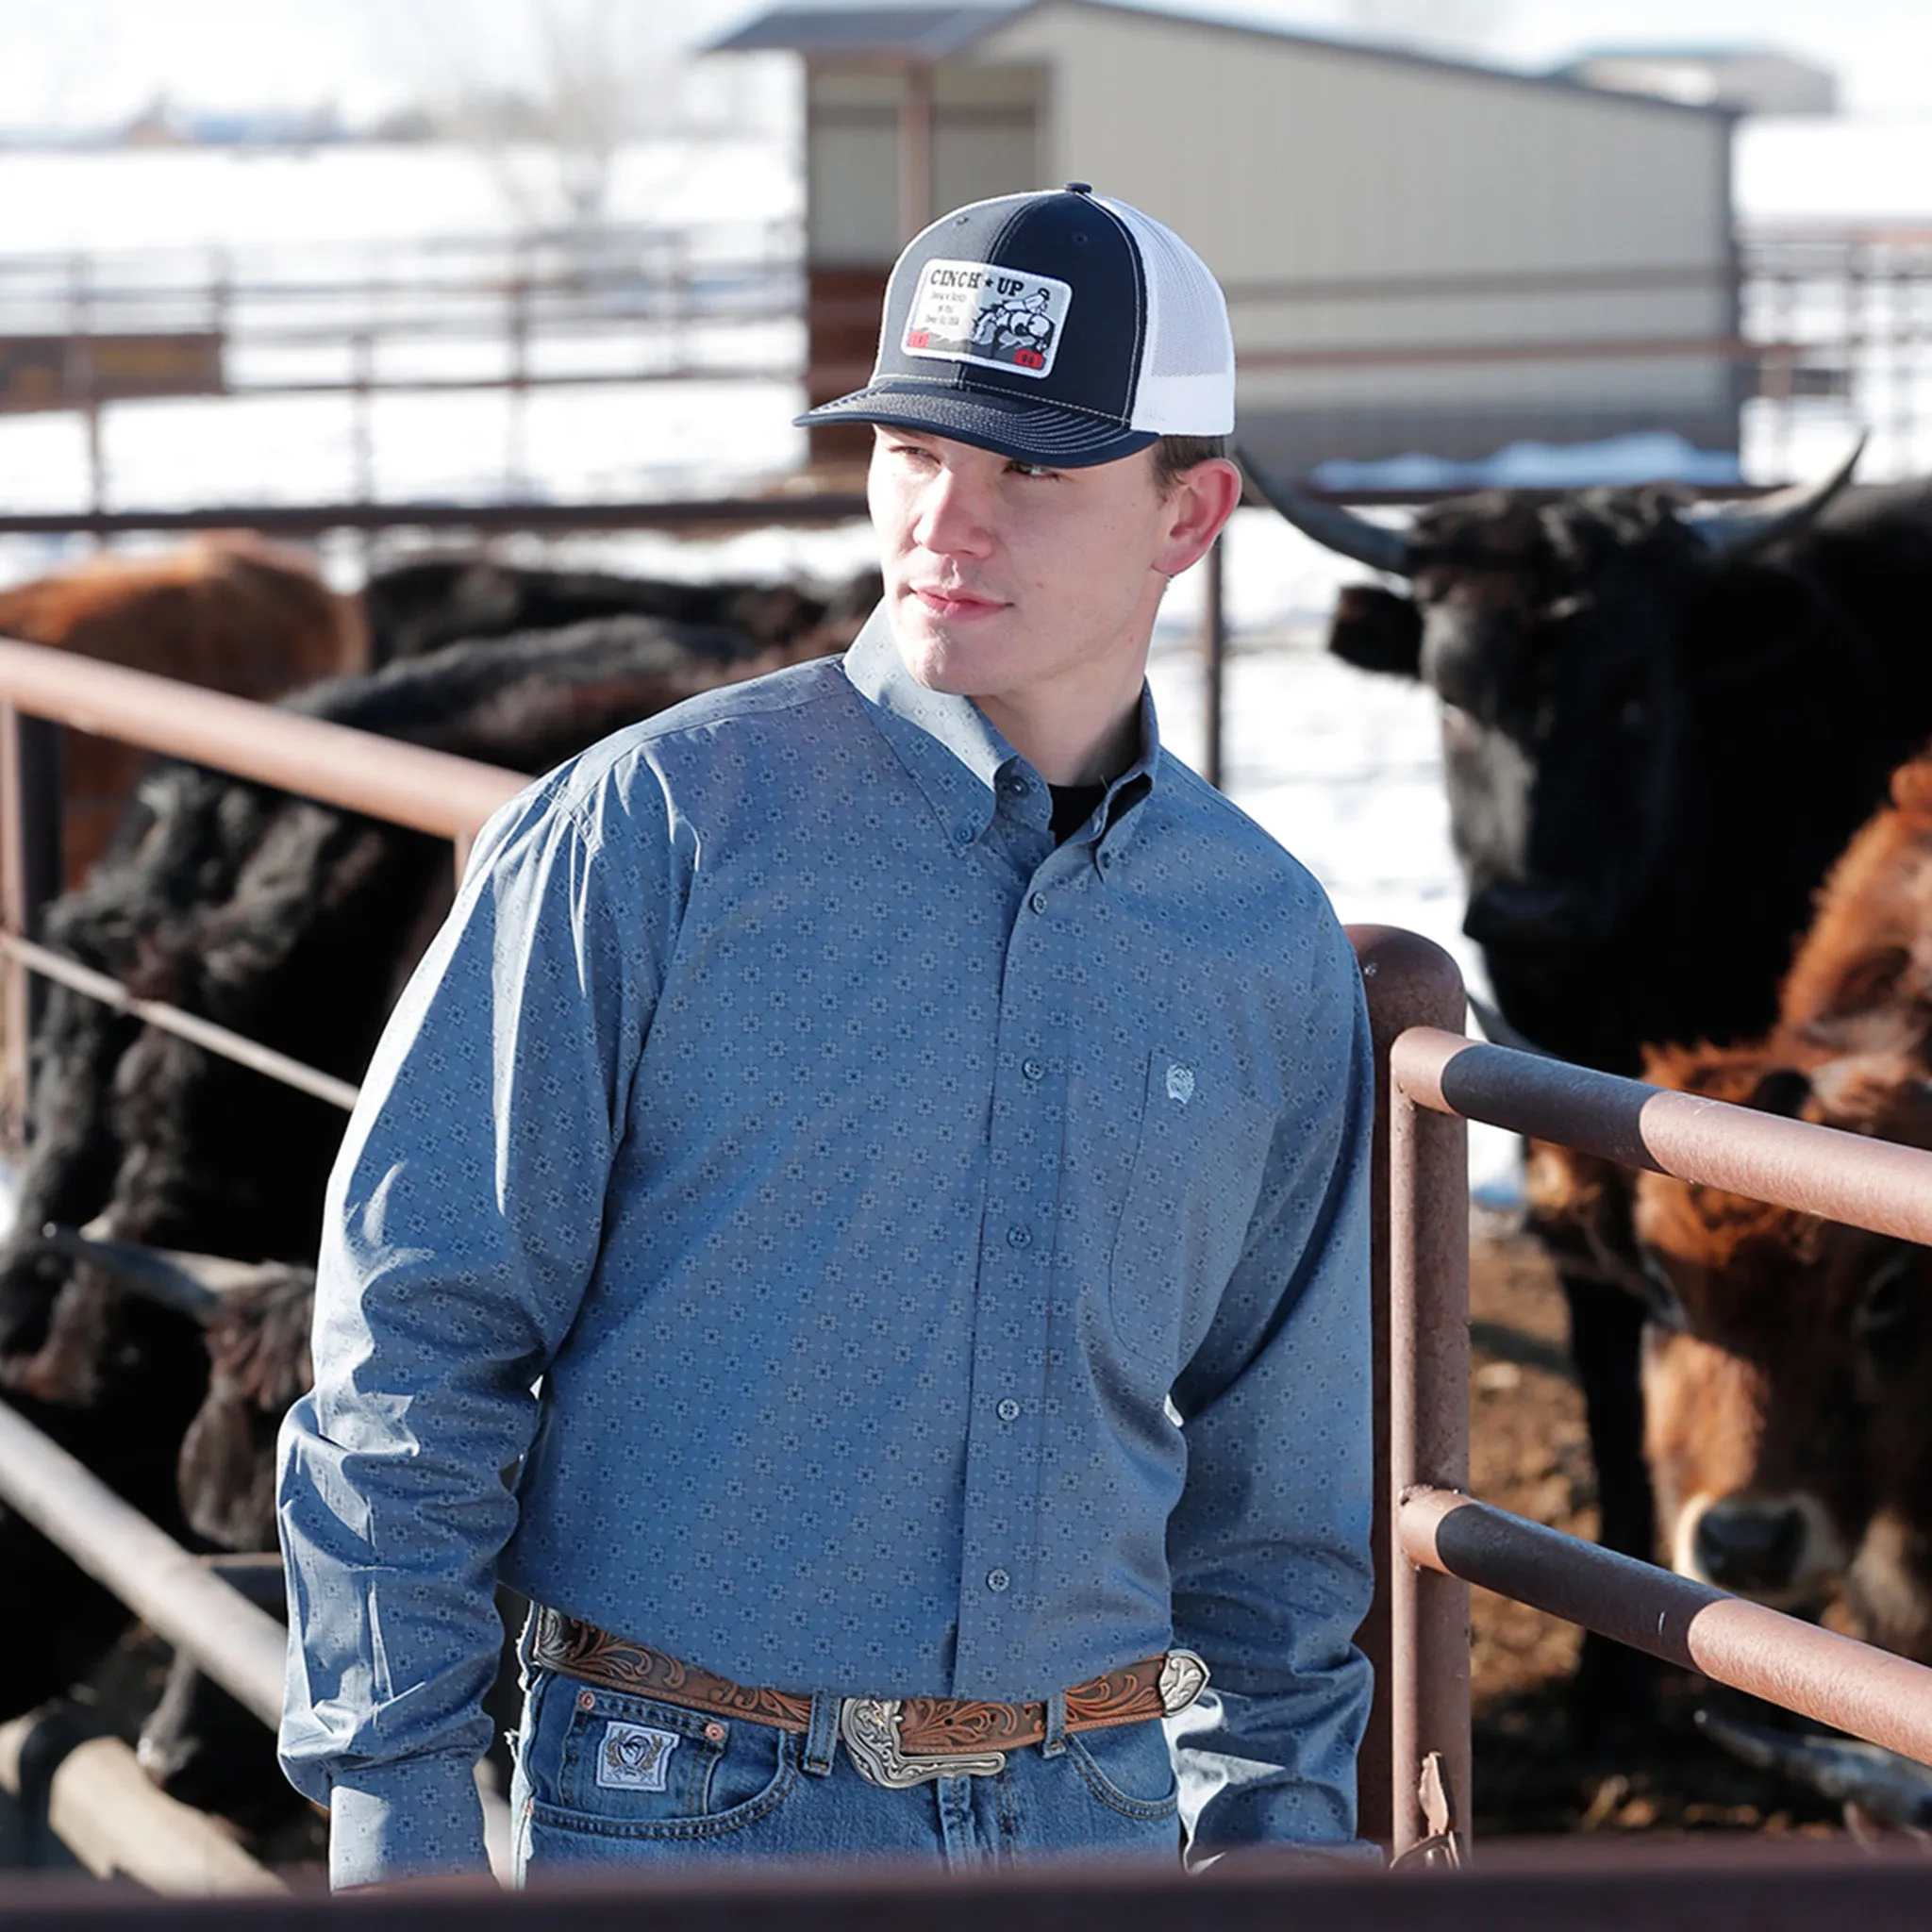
x: 861, y: 1214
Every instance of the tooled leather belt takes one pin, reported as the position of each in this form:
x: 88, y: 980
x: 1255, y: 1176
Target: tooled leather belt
x: 893, y: 1741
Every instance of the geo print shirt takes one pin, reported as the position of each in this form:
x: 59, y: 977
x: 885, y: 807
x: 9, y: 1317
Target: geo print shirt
x: 819, y: 1194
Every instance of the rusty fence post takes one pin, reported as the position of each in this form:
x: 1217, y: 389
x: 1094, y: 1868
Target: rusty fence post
x: 1213, y: 657
x: 1417, y: 1631
x: 30, y: 875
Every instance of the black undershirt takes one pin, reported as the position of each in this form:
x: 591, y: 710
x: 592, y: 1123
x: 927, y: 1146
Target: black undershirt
x: 1072, y: 805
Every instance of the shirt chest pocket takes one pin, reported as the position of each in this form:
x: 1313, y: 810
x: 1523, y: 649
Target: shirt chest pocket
x: 1198, y: 1159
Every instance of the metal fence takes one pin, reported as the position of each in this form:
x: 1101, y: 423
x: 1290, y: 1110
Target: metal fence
x: 620, y: 305
x: 1835, y: 326
x: 1431, y: 1540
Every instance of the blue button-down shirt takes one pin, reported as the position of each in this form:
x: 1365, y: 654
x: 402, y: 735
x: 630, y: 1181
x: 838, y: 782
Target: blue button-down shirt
x: 903, y: 1257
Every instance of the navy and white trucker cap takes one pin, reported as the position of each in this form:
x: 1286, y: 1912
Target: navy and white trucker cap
x: 1061, y: 329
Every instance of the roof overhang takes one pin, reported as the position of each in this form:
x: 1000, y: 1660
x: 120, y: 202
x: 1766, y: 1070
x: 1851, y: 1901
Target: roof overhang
x: 868, y: 33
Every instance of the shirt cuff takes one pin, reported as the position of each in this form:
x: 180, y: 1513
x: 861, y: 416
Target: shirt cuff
x: 398, y: 1821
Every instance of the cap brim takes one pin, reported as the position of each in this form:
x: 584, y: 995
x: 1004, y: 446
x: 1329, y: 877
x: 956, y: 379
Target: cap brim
x: 1012, y: 427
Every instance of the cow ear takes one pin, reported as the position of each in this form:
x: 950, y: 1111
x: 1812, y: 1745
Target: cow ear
x: 1579, y: 1209
x: 1377, y: 630
x: 1783, y: 1091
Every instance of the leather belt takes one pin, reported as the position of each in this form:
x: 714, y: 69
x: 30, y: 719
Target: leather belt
x: 894, y: 1740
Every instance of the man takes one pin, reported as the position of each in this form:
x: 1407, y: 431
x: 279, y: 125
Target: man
x: 861, y: 1214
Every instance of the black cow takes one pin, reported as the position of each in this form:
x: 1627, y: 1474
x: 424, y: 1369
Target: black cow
x: 1659, y: 729
x: 418, y: 607
x: 293, y: 924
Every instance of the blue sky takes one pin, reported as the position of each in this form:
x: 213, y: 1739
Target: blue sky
x: 94, y: 61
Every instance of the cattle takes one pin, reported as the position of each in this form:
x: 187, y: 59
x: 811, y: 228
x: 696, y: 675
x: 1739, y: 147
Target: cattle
x: 420, y: 606
x: 1787, y: 1359
x: 226, y: 610
x: 1659, y: 729
x: 293, y: 924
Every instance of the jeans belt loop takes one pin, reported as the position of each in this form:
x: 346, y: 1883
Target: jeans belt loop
x: 821, y: 1737
x: 1055, y: 1742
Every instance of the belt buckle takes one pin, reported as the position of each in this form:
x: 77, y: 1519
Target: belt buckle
x: 869, y: 1726
x: 1183, y: 1678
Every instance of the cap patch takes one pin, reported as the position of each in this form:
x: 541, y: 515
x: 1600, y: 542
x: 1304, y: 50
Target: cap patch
x: 1001, y: 318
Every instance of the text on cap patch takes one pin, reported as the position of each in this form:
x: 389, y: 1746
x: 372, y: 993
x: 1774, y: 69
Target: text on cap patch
x: 1001, y: 318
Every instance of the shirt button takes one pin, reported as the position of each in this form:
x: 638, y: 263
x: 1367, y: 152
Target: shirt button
x: 1106, y: 861
x: 1010, y: 1410
x: 1038, y: 902
x: 1019, y: 1237
x: 997, y: 1579
x: 1034, y: 1070
x: 1016, y: 788
x: 963, y: 834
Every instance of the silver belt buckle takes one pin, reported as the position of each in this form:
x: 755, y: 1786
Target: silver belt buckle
x: 869, y: 1726
x: 1183, y: 1678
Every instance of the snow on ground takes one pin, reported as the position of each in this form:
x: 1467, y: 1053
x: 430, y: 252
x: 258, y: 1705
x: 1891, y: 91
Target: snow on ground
x: 212, y: 198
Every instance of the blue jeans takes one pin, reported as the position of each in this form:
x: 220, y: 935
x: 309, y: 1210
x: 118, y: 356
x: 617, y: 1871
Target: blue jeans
x: 602, y: 1776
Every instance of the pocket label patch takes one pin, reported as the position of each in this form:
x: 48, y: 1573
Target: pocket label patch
x: 634, y: 1757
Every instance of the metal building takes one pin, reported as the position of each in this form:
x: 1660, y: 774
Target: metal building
x: 1418, y: 254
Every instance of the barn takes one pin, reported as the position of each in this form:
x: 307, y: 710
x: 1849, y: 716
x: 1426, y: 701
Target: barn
x: 1421, y: 255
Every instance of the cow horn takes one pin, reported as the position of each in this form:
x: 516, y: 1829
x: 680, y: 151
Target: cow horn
x: 191, y: 1285
x: 1738, y: 532
x: 1893, y: 1789
x: 1499, y: 1032
x: 1329, y: 525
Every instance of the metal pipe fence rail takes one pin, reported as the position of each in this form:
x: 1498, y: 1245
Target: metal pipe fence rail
x: 1761, y: 1887
x: 409, y: 785
x: 1432, y: 1539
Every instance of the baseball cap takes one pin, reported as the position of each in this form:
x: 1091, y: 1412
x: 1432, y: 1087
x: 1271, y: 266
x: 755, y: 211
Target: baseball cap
x: 1061, y: 327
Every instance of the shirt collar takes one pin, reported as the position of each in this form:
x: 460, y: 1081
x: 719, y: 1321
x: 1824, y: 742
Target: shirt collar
x: 954, y: 752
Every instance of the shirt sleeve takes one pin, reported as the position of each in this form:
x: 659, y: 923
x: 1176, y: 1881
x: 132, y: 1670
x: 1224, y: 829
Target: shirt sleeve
x: 1269, y: 1546
x: 461, y: 1225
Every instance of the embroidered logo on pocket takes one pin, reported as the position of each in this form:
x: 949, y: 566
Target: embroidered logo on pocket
x: 1180, y: 1084
x: 634, y: 1757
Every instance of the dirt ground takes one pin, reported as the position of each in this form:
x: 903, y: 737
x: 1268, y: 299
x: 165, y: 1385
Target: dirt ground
x: 1529, y: 1453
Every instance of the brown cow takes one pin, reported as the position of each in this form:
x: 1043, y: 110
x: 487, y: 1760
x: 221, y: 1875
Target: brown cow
x: 1788, y: 1361
x: 228, y: 611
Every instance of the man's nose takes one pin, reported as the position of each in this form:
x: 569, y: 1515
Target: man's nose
x: 953, y: 517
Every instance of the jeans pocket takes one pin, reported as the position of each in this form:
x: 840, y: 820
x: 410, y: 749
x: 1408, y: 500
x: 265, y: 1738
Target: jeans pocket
x: 602, y: 1762
x: 1128, y: 1767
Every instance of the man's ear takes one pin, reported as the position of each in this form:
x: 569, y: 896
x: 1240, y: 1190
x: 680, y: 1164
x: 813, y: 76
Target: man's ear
x: 1376, y: 629
x: 1203, y: 499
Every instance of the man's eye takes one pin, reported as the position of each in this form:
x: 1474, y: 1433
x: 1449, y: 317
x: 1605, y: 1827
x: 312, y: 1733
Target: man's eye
x: 1041, y: 469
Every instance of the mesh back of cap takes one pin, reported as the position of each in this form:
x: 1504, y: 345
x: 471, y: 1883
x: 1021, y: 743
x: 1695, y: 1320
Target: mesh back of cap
x: 1187, y: 368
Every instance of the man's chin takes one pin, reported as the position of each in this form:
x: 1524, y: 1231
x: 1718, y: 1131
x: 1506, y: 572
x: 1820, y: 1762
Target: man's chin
x: 942, y: 655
